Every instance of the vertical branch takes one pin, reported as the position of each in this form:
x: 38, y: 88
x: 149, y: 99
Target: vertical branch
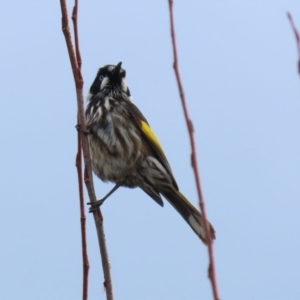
x: 75, y: 25
x: 297, y: 37
x: 85, y: 259
x: 211, y: 269
x: 75, y: 61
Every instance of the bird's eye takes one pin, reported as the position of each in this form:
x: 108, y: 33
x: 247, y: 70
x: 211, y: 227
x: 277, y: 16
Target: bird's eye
x: 101, y: 77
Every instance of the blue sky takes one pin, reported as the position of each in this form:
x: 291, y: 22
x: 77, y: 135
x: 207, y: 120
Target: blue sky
x: 238, y: 66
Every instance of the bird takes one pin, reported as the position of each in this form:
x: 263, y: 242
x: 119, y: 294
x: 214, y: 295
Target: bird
x: 125, y: 151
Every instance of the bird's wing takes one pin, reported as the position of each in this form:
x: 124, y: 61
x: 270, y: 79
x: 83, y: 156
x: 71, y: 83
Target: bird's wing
x: 150, y: 137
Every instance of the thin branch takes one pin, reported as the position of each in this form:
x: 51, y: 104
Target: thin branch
x: 75, y: 25
x: 297, y: 37
x: 88, y: 178
x: 85, y: 260
x: 211, y: 268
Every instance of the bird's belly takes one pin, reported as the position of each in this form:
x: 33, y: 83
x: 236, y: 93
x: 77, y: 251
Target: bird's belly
x: 115, y: 162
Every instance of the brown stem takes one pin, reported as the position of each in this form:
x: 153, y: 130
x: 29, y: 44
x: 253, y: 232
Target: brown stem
x: 85, y: 260
x: 75, y: 60
x: 75, y: 25
x: 211, y: 268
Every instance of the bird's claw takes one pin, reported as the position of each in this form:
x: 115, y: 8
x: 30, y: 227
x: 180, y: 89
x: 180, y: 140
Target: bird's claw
x: 78, y: 128
x: 95, y: 205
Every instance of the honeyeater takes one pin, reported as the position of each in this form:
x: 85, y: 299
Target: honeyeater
x: 124, y: 149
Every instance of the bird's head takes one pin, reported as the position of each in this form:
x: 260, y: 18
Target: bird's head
x: 110, y: 81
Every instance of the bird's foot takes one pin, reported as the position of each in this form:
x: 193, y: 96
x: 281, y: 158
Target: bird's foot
x: 78, y: 128
x: 98, y: 203
x: 95, y: 205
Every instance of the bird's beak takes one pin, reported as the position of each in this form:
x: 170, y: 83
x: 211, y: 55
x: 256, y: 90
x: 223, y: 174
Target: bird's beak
x: 115, y: 76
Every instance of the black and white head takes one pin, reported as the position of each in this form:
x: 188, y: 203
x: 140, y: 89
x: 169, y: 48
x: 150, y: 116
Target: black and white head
x: 110, y: 81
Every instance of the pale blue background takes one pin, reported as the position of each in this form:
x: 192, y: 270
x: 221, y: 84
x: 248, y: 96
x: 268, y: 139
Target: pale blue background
x: 238, y: 66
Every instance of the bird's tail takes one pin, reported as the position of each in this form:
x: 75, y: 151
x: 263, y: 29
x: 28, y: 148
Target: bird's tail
x: 189, y: 213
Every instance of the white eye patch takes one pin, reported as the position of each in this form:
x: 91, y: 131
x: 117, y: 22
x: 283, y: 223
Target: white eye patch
x: 104, y: 83
x: 124, y: 85
x: 89, y: 96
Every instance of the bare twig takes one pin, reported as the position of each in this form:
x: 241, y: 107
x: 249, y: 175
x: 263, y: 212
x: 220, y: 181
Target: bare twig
x: 85, y: 260
x: 297, y: 36
x: 88, y: 178
x: 211, y: 268
x: 75, y: 25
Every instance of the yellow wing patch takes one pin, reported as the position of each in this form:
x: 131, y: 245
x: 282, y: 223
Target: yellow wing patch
x: 157, y: 149
x: 150, y: 135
